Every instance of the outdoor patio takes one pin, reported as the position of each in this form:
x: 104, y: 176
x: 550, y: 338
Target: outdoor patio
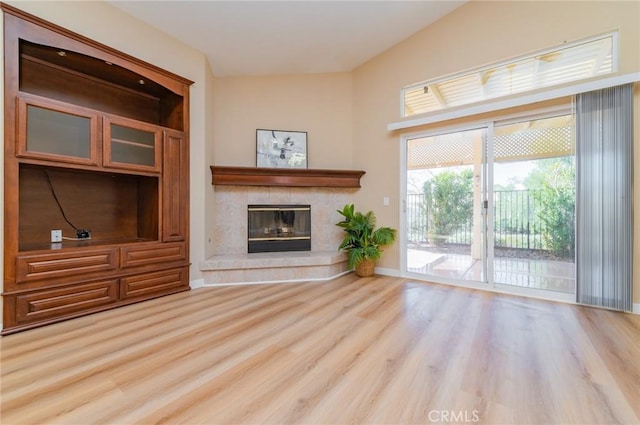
x: 531, y: 273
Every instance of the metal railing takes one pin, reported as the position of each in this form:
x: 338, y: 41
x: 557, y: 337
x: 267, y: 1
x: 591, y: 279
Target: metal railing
x: 516, y: 222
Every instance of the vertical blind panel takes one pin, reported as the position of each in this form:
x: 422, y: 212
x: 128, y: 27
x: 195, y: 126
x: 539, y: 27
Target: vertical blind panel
x: 604, y: 150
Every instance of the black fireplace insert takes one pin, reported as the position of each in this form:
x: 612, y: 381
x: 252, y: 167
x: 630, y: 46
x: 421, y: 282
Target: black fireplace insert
x: 278, y: 228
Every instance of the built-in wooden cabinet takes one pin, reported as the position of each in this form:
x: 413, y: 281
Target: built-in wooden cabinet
x: 61, y: 132
x: 96, y: 141
x: 56, y: 131
x: 131, y: 145
x: 175, y: 195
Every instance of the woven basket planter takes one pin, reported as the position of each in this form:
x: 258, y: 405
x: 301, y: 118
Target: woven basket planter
x: 365, y: 268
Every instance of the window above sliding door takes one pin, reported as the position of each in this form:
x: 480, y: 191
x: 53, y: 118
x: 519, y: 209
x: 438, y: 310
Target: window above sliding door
x: 552, y: 67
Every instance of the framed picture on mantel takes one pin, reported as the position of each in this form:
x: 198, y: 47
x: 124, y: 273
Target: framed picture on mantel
x: 281, y: 149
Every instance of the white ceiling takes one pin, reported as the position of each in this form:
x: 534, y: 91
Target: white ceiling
x: 288, y: 37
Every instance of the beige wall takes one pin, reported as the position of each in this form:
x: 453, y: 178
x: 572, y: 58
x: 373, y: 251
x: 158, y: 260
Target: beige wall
x: 474, y: 35
x: 320, y: 104
x: 208, y: 195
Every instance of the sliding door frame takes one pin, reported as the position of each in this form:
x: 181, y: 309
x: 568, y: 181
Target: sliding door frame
x: 488, y: 213
x: 404, y: 139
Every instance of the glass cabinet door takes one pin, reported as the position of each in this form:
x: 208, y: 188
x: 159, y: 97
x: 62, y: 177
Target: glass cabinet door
x: 56, y: 132
x: 132, y: 144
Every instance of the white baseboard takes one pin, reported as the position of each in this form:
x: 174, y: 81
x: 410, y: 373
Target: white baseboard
x: 264, y: 282
x: 388, y: 272
x: 198, y: 283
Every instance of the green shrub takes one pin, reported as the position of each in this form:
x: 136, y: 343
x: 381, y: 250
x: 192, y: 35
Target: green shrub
x: 449, y: 200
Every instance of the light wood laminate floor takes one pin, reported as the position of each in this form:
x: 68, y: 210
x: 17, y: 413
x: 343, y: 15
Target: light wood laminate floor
x: 377, y: 350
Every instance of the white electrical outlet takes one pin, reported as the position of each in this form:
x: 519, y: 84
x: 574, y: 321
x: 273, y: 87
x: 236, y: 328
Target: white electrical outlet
x: 56, y: 236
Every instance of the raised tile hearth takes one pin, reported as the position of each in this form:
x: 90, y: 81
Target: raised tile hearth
x: 269, y: 267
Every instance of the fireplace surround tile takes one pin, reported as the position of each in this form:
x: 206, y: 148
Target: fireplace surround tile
x: 230, y: 262
x: 230, y: 216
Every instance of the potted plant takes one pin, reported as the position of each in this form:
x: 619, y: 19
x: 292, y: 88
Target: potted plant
x: 363, y: 242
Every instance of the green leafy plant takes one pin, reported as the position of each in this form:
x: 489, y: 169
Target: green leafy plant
x: 362, y: 240
x: 555, y: 192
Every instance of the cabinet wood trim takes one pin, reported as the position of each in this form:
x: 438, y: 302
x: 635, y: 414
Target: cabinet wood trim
x: 48, y: 266
x: 85, y: 45
x: 292, y: 177
x: 42, y: 305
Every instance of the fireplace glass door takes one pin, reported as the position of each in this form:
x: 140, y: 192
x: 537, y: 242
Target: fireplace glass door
x: 277, y: 228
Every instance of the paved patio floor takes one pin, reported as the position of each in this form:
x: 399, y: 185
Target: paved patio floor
x: 532, y: 273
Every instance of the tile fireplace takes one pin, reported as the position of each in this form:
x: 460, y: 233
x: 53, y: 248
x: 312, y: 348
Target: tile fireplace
x: 230, y: 262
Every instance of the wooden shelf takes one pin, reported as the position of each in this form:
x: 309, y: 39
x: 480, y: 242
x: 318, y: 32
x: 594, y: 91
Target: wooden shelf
x: 292, y: 177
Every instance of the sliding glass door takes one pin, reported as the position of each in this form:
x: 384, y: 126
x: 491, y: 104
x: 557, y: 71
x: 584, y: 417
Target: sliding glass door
x: 493, y: 205
x: 445, y: 193
x: 534, y: 195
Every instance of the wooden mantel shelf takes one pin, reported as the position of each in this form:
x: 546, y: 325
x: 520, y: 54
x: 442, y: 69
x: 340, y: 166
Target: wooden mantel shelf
x: 292, y: 177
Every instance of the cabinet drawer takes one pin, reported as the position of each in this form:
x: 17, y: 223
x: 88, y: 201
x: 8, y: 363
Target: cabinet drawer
x: 53, y: 303
x: 60, y: 264
x: 132, y: 256
x: 147, y: 285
